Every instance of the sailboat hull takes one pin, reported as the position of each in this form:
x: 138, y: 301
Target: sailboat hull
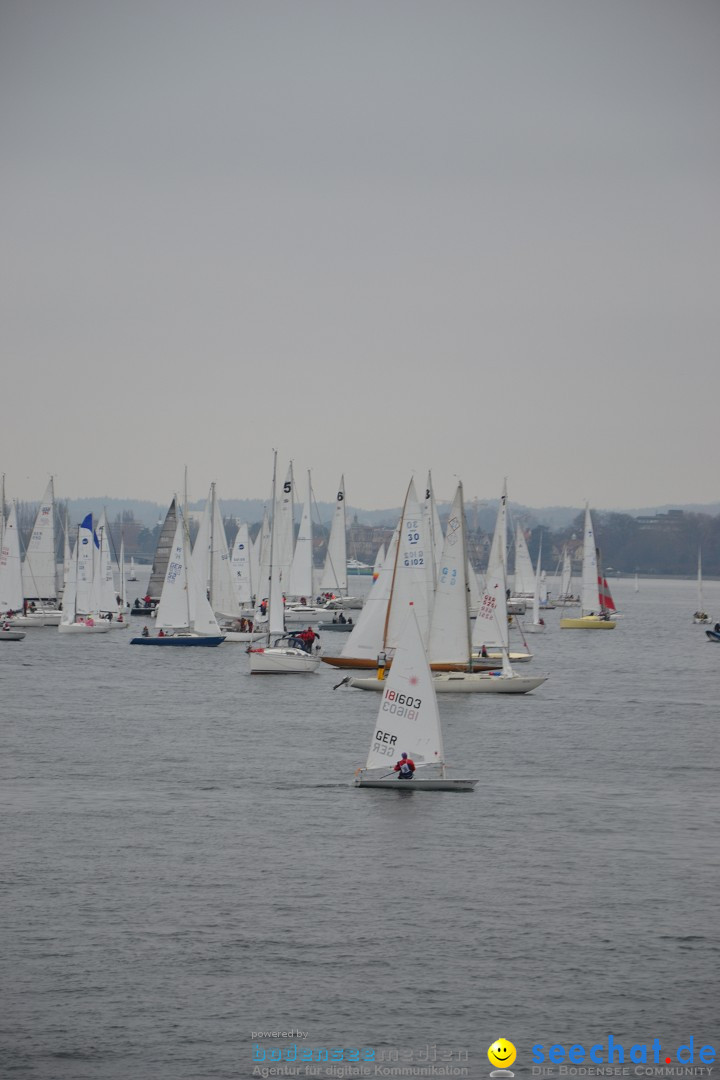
x: 41, y: 618
x: 353, y: 663
x: 12, y: 635
x: 468, y: 683
x: 712, y: 635
x: 180, y: 641
x: 274, y: 661
x: 83, y: 628
x: 587, y: 622
x: 418, y: 785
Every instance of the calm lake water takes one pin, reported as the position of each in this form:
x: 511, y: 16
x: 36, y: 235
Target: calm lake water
x: 185, y: 861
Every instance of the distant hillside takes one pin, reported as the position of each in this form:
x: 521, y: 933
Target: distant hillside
x: 480, y: 512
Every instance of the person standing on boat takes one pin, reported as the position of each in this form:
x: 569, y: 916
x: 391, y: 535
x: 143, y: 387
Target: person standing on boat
x: 405, y: 767
x: 308, y: 638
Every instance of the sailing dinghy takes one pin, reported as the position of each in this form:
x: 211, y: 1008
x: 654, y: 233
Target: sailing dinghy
x: 700, y: 616
x: 596, y: 601
x: 409, y: 720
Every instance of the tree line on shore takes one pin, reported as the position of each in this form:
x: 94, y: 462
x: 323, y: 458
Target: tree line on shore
x: 664, y: 546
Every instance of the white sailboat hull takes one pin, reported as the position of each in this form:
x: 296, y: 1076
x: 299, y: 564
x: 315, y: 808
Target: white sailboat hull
x: 41, y: 618
x: 418, y: 785
x: 513, y: 657
x: 12, y: 635
x: 475, y: 682
x: 84, y: 628
x: 282, y: 661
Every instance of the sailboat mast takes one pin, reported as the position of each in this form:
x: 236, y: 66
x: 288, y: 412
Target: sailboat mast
x: 465, y: 563
x: 212, y: 537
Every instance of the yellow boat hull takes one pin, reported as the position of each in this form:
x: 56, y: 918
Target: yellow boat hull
x: 587, y: 622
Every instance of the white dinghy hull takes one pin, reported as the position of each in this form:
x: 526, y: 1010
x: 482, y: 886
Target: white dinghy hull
x: 441, y: 784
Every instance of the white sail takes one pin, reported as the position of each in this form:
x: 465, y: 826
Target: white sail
x: 412, y: 581
x: 283, y: 530
x: 241, y: 564
x: 87, y: 598
x: 433, y: 527
x: 334, y: 575
x: 211, y: 558
x: 69, y: 600
x: 474, y: 589
x: 408, y: 719
x: 67, y: 552
x: 276, y: 613
x: 700, y: 601
x: 121, y: 563
x: 536, y: 593
x: 39, y: 569
x: 491, y: 625
x: 261, y: 549
x: 183, y: 601
x: 174, y: 607
x: 107, y: 593
x: 524, y: 584
x: 11, y: 587
x: 223, y: 597
x: 590, y: 595
x: 379, y: 560
x: 301, y: 571
x: 449, y: 640
x: 566, y: 575
x: 367, y: 638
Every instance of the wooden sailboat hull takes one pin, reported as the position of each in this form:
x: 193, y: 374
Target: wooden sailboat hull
x: 418, y: 785
x: 354, y: 663
x: 587, y: 622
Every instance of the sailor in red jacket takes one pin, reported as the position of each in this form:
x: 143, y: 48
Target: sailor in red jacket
x: 405, y: 768
x: 308, y: 637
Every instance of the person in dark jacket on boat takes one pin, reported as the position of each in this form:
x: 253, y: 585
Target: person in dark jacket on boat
x: 145, y: 632
x: 405, y: 767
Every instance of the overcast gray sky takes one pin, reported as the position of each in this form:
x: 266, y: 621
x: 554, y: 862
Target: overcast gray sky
x: 380, y: 235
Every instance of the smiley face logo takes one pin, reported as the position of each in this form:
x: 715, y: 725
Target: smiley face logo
x: 502, y: 1053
